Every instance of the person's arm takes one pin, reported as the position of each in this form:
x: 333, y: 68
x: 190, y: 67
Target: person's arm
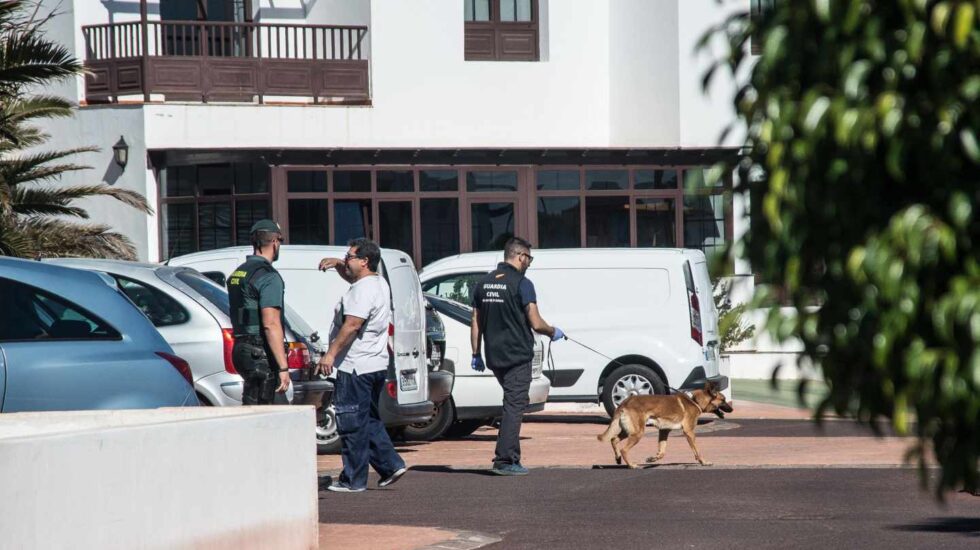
x: 538, y: 324
x: 475, y: 335
x: 339, y: 265
x: 348, y: 331
x: 272, y: 328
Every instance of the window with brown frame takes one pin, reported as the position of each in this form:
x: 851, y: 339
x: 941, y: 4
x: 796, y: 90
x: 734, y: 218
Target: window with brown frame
x: 211, y: 206
x: 501, y: 30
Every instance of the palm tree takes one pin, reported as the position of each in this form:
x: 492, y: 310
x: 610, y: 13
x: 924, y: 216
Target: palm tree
x: 38, y: 217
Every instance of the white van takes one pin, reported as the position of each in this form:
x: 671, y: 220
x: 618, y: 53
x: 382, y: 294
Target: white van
x: 648, y: 314
x: 313, y: 294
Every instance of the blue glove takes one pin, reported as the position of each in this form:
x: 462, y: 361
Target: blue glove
x: 559, y: 335
x: 477, y: 364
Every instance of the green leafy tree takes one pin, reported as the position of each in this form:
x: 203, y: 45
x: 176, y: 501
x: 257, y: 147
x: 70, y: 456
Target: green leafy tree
x: 732, y: 329
x: 38, y: 217
x: 863, y: 176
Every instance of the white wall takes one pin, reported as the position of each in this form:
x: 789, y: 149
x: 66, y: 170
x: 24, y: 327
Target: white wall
x: 704, y: 117
x: 643, y: 73
x: 199, y: 477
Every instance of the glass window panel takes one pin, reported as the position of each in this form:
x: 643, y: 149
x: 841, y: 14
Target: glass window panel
x: 178, y: 230
x: 180, y: 181
x: 694, y: 178
x: 440, y: 228
x: 559, y: 222
x: 704, y: 222
x: 476, y: 10
x: 655, y: 222
x: 246, y: 214
x: 491, y: 181
x: 32, y: 314
x: 395, y: 181
x: 558, y: 180
x: 656, y: 179
x: 524, y: 10
x: 351, y: 181
x: 439, y: 180
x: 607, y: 221
x: 492, y: 225
x: 395, y: 225
x: 213, y: 225
x: 251, y: 178
x: 508, y: 11
x: 352, y: 220
x: 215, y: 180
x: 458, y: 288
x: 599, y: 180
x: 309, y: 221
x: 306, y: 181
x: 160, y: 309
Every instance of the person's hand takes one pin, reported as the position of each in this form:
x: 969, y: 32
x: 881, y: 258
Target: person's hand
x: 325, y: 365
x: 328, y: 263
x: 284, y: 382
x: 558, y: 335
x: 477, y: 363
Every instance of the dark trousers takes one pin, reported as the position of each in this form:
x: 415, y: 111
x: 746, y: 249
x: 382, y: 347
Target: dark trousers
x: 516, y: 382
x: 363, y: 437
x: 260, y: 383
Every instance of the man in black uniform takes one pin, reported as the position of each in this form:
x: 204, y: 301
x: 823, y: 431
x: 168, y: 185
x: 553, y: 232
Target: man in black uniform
x: 505, y: 311
x: 255, y: 291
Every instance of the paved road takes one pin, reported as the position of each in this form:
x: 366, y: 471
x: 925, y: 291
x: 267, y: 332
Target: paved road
x: 673, y: 508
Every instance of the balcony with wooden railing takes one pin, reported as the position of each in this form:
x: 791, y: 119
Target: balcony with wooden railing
x: 219, y: 61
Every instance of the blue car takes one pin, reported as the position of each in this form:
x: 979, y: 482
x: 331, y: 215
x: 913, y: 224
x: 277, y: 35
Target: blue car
x: 70, y: 340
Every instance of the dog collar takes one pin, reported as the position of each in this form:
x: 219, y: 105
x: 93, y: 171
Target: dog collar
x: 690, y: 398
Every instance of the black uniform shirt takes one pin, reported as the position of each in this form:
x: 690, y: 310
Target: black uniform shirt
x: 502, y: 298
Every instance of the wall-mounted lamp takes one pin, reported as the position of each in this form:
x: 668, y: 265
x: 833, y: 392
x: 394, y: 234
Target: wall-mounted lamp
x: 120, y: 153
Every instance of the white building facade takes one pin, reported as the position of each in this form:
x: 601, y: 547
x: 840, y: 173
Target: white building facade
x: 434, y: 126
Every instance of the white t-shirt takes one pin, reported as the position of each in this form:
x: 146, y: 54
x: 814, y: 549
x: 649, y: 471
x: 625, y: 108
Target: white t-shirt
x: 368, y: 299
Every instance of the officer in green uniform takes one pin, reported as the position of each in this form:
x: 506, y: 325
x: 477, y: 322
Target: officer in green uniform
x: 256, y: 291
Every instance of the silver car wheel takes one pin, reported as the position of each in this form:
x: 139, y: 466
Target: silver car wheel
x: 629, y: 385
x: 326, y: 428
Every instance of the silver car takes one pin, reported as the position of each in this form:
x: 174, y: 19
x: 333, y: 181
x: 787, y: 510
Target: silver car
x: 191, y: 313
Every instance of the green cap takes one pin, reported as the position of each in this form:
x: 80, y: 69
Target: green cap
x: 265, y: 225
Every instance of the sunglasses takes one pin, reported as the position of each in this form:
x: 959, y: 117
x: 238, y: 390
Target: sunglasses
x: 530, y: 258
x: 349, y: 257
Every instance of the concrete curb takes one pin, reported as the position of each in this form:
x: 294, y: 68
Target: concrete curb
x: 465, y: 540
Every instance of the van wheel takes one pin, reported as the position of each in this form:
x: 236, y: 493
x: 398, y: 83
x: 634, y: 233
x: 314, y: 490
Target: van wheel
x: 327, y: 438
x: 463, y: 428
x: 435, y: 427
x: 629, y: 380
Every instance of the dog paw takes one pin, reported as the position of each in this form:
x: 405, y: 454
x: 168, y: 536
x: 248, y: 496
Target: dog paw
x: 619, y: 460
x: 706, y: 463
x: 632, y: 466
x: 653, y: 458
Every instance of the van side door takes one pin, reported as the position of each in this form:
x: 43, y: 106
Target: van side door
x: 408, y: 318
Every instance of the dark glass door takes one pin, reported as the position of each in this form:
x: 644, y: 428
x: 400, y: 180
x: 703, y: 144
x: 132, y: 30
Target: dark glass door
x: 395, y: 226
x: 491, y: 224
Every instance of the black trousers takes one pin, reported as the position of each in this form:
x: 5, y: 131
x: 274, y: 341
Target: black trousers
x: 516, y: 382
x: 252, y: 363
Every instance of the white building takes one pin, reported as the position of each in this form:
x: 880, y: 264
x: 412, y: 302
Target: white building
x: 433, y: 126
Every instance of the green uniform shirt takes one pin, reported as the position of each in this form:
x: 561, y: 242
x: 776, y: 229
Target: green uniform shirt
x: 267, y: 290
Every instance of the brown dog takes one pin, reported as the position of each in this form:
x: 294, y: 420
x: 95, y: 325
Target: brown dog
x: 668, y: 412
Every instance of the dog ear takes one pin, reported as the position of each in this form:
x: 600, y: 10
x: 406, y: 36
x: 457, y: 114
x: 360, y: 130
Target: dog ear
x: 710, y: 387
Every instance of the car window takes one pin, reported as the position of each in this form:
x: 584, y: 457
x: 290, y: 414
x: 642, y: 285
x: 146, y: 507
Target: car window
x: 296, y: 323
x: 211, y: 291
x: 160, y: 309
x: 216, y: 276
x: 454, y: 310
x: 30, y: 313
x: 458, y: 288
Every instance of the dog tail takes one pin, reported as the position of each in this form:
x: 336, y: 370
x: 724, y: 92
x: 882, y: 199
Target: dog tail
x: 613, y: 429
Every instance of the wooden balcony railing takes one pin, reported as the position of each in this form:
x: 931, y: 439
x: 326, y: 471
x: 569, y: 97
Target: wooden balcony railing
x: 218, y: 61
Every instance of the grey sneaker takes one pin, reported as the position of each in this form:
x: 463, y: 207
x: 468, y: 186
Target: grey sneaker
x: 509, y: 470
x: 341, y: 487
x: 390, y: 480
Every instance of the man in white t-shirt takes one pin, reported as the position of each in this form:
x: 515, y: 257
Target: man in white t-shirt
x: 359, y: 352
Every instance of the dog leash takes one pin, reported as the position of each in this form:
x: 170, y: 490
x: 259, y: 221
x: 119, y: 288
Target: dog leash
x: 620, y: 363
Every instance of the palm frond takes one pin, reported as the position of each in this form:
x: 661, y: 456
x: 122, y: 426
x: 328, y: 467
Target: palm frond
x: 45, y: 201
x: 29, y: 58
x: 64, y: 195
x: 52, y: 237
x: 33, y: 107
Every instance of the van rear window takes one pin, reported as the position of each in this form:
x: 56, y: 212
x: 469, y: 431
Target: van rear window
x: 206, y: 287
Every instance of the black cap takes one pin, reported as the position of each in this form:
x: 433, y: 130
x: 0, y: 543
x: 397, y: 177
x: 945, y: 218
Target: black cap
x: 265, y: 225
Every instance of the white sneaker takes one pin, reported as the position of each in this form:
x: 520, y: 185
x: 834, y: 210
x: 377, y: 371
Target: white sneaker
x: 390, y: 480
x: 338, y: 487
